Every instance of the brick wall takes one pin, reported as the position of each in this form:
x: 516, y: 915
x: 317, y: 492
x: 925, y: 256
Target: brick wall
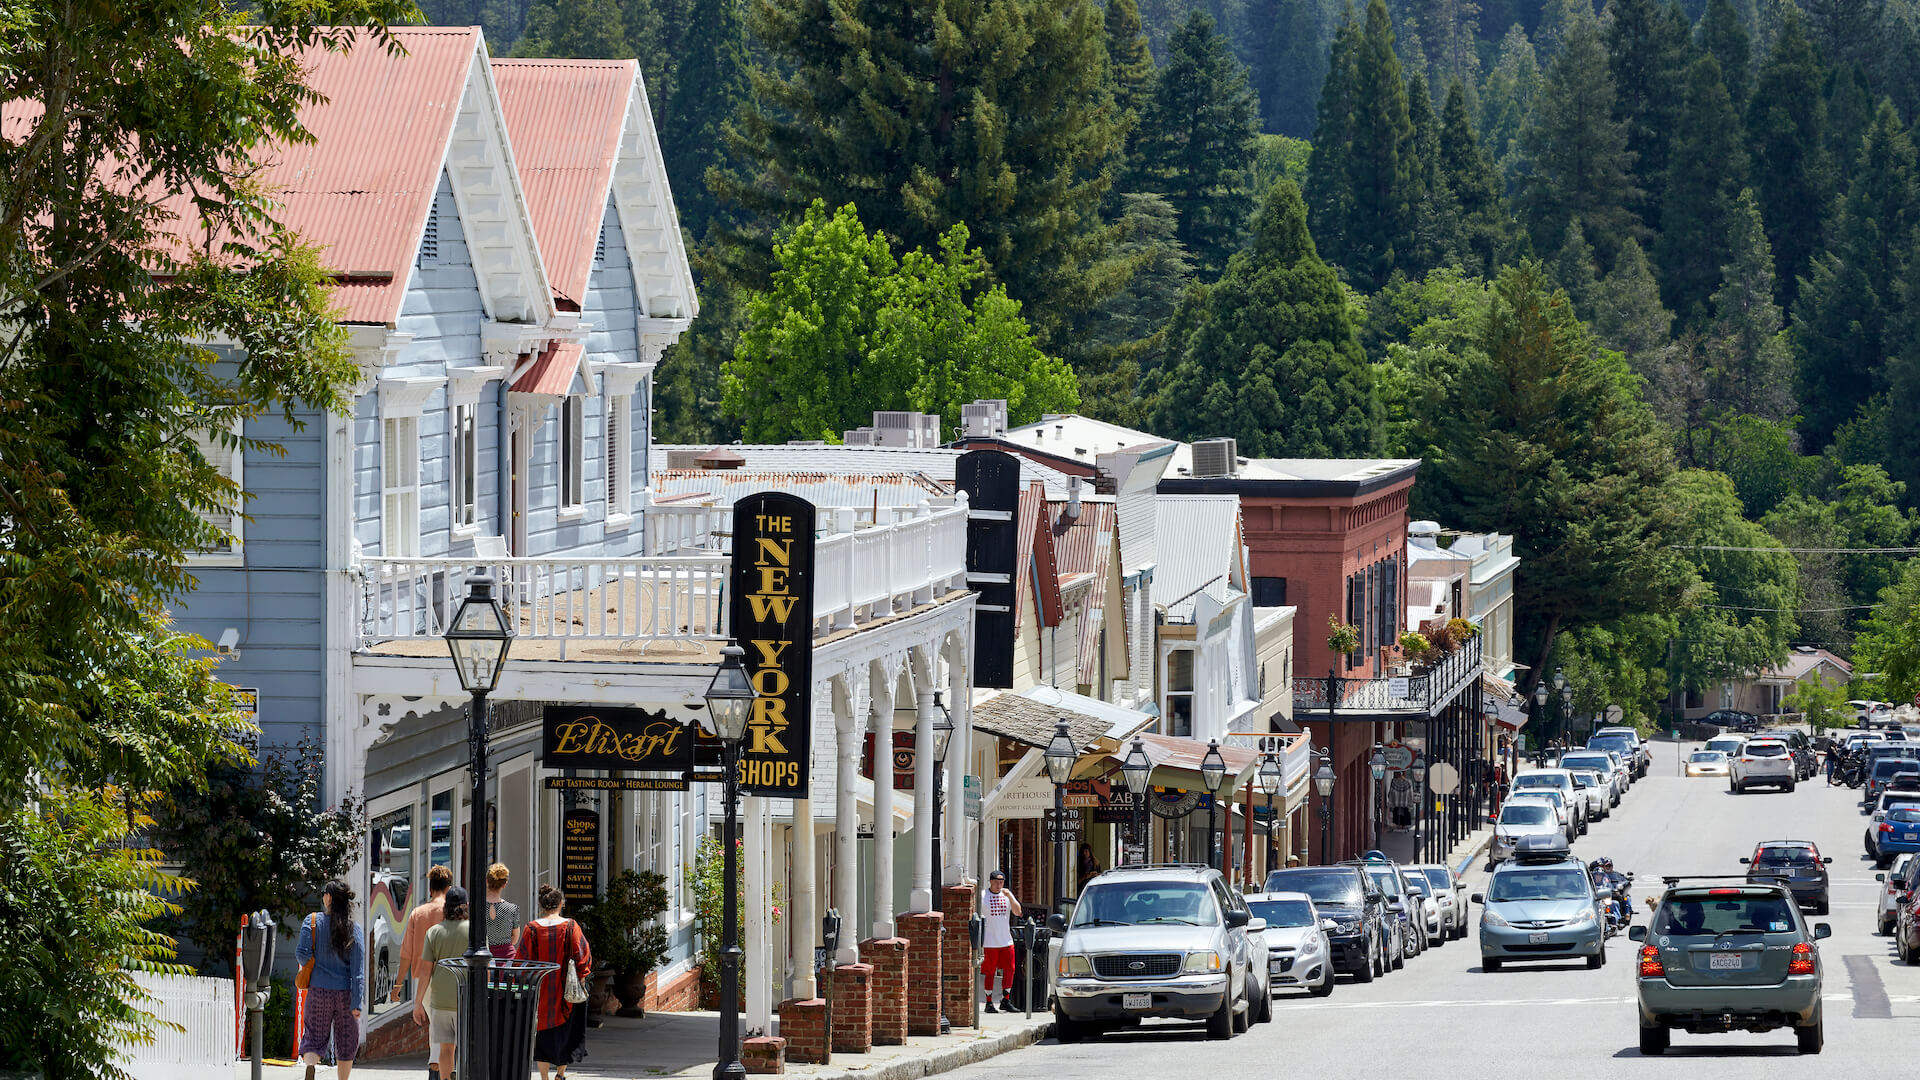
x: 957, y: 959
x: 853, y: 1008
x: 888, y: 956
x: 678, y: 994
x: 764, y: 1054
x: 923, y: 934
x: 803, y: 1023
x: 397, y: 1036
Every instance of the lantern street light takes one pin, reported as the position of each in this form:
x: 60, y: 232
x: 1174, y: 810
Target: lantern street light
x: 1213, y: 773
x: 1323, y: 779
x: 1561, y: 684
x: 1137, y: 770
x: 942, y: 739
x: 729, y: 703
x: 1540, y: 722
x: 1060, y: 756
x: 478, y: 637
x: 1378, y: 762
x: 1269, y: 779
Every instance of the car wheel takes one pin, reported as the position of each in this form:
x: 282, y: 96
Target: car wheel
x: 1265, y: 1014
x: 1822, y: 906
x: 1488, y: 963
x: 1881, y: 862
x: 1364, y: 973
x: 1654, y: 1040
x: 1599, y: 959
x: 1220, y: 1024
x: 1886, y: 926
x: 1399, y: 959
x: 1810, y: 1037
x: 1325, y: 987
x: 1243, y: 1018
x: 1066, y: 1030
x: 1790, y: 786
x: 1900, y: 948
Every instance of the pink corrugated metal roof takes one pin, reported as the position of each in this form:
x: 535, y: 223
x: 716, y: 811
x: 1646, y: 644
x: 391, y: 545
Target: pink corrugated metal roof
x: 1084, y: 545
x: 564, y: 118
x: 553, y: 372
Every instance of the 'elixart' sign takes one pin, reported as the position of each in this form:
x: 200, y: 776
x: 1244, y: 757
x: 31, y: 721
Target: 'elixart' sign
x: 772, y: 616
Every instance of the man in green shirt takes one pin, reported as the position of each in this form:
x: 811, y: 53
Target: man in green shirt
x: 437, y: 1008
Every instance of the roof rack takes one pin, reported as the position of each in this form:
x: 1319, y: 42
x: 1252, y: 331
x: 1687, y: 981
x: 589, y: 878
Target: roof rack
x: 1674, y: 879
x: 1165, y: 866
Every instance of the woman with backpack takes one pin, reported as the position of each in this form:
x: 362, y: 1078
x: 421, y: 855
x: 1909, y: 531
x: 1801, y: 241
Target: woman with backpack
x: 333, y: 959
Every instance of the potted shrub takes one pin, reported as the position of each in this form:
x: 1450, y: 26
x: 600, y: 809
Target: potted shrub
x: 1442, y: 639
x: 1341, y: 637
x: 1416, y: 646
x: 1462, y: 630
x: 627, y: 940
x: 707, y: 875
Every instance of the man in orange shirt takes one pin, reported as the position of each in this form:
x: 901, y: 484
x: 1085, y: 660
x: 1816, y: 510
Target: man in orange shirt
x: 421, y: 919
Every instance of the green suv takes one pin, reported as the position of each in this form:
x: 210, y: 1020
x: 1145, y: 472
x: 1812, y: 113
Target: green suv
x: 1730, y: 957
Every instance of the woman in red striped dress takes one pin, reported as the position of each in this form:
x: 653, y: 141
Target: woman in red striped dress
x: 561, y: 1026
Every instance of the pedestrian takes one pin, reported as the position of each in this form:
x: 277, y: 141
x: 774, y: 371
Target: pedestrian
x: 338, y: 982
x: 560, y: 1026
x: 1293, y: 860
x: 438, y: 1008
x: 421, y: 919
x: 997, y: 909
x: 1833, y: 763
x: 503, y: 917
x: 1089, y: 867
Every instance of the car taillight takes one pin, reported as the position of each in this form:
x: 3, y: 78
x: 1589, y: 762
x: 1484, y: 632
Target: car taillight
x: 1650, y: 961
x: 1886, y: 827
x: 1802, y: 962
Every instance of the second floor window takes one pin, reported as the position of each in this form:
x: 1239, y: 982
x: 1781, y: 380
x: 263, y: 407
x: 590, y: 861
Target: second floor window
x: 400, y: 486
x: 463, y: 466
x: 1179, y: 722
x: 227, y: 461
x: 573, y: 416
x: 619, y: 456
x: 1269, y: 592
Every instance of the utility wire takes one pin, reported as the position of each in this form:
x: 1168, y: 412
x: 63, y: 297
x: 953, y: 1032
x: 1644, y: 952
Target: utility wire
x: 1801, y: 551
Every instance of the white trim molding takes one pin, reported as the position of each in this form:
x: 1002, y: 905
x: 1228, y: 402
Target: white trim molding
x: 465, y: 384
x: 407, y: 395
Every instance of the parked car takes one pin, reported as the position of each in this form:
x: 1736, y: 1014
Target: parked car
x: 1559, y: 780
x: 1540, y: 909
x: 1715, y: 959
x: 1887, y: 800
x: 1727, y: 744
x: 1797, y: 864
x: 1299, y: 953
x: 1159, y: 942
x: 1708, y: 763
x: 1348, y: 897
x: 1906, y: 929
x: 1593, y: 789
x: 1423, y: 910
x: 1896, y: 883
x: 1764, y: 762
x: 1880, y: 775
x: 1519, y: 819
x: 1607, y: 765
x: 1563, y: 807
x: 1897, y: 832
x: 1607, y: 736
x: 1451, y: 891
x: 1402, y: 941
x: 1732, y: 720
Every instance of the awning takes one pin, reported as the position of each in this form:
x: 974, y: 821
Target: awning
x: 1029, y: 718
x: 1176, y: 761
x: 555, y: 372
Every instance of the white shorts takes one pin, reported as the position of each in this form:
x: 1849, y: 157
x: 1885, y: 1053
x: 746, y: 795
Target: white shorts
x: 441, y: 1025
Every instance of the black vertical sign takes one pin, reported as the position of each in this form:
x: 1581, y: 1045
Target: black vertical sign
x: 772, y: 613
x: 580, y: 856
x: 991, y: 479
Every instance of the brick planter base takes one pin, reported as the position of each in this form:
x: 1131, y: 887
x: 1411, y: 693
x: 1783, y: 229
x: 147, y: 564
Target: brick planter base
x: 888, y: 956
x: 803, y: 1023
x: 765, y: 1054
x: 923, y: 933
x: 957, y: 959
x: 853, y: 1009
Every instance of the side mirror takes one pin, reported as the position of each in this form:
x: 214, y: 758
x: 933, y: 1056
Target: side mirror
x: 1744, y: 861
x: 1636, y: 933
x: 1237, y: 919
x: 1882, y: 877
x: 1493, y: 817
x: 1477, y: 898
x: 1329, y: 925
x: 1255, y: 926
x: 1822, y: 930
x: 1057, y: 923
x: 1828, y: 861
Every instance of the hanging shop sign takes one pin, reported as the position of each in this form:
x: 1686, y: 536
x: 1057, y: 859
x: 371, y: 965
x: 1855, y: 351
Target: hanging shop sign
x: 605, y: 737
x: 1169, y: 802
x: 1120, y: 807
x: 991, y: 479
x: 903, y: 742
x: 580, y: 855
x: 772, y: 618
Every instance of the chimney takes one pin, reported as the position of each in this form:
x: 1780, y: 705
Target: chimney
x: 719, y: 458
x: 1072, y: 512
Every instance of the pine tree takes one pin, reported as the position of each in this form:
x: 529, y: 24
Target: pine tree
x: 1274, y: 360
x: 1903, y: 378
x: 1506, y: 101
x: 1436, y: 238
x: 711, y: 84
x: 1289, y: 62
x: 1627, y: 313
x: 1328, y: 194
x: 1706, y: 173
x: 1558, y: 18
x: 1197, y: 142
x: 1849, y: 113
x: 1380, y: 163
x: 1577, y: 152
x: 1785, y: 126
x: 1754, y: 365
x: 582, y: 30
x: 1723, y: 36
x: 1647, y: 54
x: 1129, y: 66
x: 1475, y: 187
x: 1845, y: 31
x: 1573, y: 270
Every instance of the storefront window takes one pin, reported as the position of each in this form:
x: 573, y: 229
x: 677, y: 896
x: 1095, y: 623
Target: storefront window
x: 390, y: 857
x: 440, y: 837
x: 1180, y: 693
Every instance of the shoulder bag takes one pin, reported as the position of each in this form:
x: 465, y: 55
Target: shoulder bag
x: 305, y: 977
x: 575, y: 990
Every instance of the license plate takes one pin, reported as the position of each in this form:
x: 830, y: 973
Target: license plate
x: 1725, y: 962
x: 1536, y: 939
x: 1909, y: 835
x: 1136, y: 1001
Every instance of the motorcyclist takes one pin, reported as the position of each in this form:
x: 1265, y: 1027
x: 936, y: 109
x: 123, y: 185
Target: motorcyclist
x: 1600, y: 871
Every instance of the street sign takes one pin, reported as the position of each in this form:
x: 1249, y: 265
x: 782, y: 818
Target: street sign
x: 1398, y: 757
x: 1615, y: 714
x: 1063, y: 826
x: 1063, y: 836
x: 1445, y: 779
x: 970, y: 785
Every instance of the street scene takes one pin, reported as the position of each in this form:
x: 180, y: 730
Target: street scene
x: 681, y: 538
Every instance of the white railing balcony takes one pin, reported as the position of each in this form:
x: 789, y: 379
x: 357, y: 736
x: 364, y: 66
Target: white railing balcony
x: 862, y: 571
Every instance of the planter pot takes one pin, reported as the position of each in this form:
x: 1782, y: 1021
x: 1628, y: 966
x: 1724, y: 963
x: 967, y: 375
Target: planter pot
x: 598, y: 998
x: 631, y: 988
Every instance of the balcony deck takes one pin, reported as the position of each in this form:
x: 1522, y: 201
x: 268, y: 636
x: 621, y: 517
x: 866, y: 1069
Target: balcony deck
x: 1394, y: 697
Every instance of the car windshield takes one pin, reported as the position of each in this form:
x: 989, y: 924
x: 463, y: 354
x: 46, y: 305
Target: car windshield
x: 1540, y: 780
x: 1786, y: 856
x: 1438, y: 879
x: 1283, y: 912
x: 1586, y: 761
x: 1384, y: 880
x: 1127, y: 903
x: 1766, y: 749
x: 1730, y: 912
x: 1329, y: 886
x: 1728, y: 745
x: 1525, y: 814
x: 1906, y: 815
x: 1559, y: 883
x: 1708, y: 755
x: 1610, y: 742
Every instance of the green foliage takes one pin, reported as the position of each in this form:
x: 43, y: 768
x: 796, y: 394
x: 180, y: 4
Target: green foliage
x: 1738, y: 612
x: 1825, y: 706
x: 711, y: 82
x: 1127, y: 335
x: 1288, y: 61
x: 708, y: 876
x: 1274, y: 358
x: 1705, y: 175
x: 254, y: 840
x: 1573, y: 270
x: 1129, y: 67
x: 1648, y: 46
x: 1381, y: 162
x: 1754, y: 361
x: 78, y: 896
x: 622, y: 925
x: 1421, y: 331
x: 1436, y: 238
x: 1341, y: 637
x: 1507, y: 99
x: 1627, y: 314
x: 579, y: 29
x: 1785, y: 124
x: 1889, y: 642
x: 1196, y: 143
x: 1474, y: 183
x: 1722, y: 35
x: 847, y: 329
x: 1580, y: 166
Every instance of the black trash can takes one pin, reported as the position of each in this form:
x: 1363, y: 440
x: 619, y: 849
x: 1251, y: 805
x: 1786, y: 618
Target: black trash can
x: 512, y: 1005
x: 1030, y: 964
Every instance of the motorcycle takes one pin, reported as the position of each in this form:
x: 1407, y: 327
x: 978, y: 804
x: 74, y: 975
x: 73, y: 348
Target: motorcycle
x: 1616, y: 892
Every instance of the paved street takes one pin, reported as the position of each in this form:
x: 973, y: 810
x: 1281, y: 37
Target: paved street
x: 1442, y: 1016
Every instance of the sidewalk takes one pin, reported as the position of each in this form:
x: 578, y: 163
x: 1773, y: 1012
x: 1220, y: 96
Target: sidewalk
x: 682, y: 1044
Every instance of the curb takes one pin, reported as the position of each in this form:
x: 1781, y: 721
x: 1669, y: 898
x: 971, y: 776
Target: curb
x: 945, y: 1060
x: 1473, y: 854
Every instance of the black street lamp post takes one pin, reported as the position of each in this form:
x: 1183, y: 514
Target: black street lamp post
x: 1540, y: 718
x: 1137, y: 771
x: 478, y: 636
x: 1269, y: 778
x: 1323, y: 783
x: 1377, y: 764
x: 1566, y: 704
x: 1213, y: 773
x: 1060, y: 756
x: 729, y: 702
x: 942, y: 739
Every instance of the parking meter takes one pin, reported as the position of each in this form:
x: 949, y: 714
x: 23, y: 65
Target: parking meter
x: 1037, y: 972
x: 976, y: 931
x: 258, y: 936
x: 830, y: 930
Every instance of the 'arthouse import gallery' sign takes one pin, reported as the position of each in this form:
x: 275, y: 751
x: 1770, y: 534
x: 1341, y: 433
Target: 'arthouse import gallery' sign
x: 772, y: 616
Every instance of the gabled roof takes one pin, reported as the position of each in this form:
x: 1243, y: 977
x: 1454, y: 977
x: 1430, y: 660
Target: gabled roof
x: 1207, y: 559
x: 1084, y: 545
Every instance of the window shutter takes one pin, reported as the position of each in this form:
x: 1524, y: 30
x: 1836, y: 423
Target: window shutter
x: 430, y: 239
x: 615, y: 504
x: 222, y: 459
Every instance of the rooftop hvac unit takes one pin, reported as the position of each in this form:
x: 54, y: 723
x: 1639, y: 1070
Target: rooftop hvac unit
x: 859, y: 437
x: 684, y: 459
x: 806, y: 442
x: 1214, y: 457
x: 911, y: 430
x: 984, y: 419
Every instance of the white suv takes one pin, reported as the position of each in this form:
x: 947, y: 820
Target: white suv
x: 1763, y: 761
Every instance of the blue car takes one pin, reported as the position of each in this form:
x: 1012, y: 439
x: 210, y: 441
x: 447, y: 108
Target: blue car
x: 1897, y: 834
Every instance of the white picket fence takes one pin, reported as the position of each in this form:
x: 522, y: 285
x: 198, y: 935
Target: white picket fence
x: 196, y: 1035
